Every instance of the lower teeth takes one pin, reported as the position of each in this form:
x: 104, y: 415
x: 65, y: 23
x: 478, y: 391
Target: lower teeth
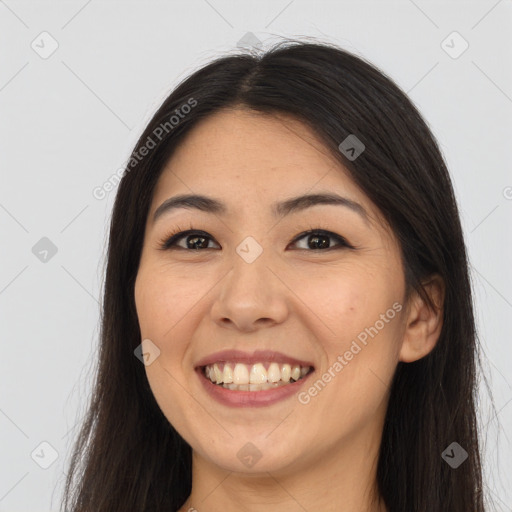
x: 256, y: 387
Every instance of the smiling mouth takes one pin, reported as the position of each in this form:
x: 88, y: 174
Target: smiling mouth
x: 237, y: 376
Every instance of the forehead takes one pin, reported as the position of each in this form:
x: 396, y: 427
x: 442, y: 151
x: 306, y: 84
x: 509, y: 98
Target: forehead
x: 248, y: 154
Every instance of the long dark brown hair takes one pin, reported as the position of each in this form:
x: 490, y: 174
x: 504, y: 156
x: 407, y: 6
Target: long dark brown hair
x: 127, y: 457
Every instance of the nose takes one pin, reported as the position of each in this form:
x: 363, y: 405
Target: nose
x: 251, y: 296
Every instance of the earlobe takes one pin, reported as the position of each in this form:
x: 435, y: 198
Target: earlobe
x: 424, y: 322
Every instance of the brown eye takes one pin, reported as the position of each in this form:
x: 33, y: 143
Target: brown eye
x: 319, y: 239
x: 194, y: 240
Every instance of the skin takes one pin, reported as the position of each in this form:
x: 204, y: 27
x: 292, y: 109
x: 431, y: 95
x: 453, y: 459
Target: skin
x: 294, y: 299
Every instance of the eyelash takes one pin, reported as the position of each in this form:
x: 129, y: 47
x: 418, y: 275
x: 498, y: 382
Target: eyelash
x: 169, y: 241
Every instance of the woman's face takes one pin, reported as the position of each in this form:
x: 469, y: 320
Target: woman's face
x: 252, y: 286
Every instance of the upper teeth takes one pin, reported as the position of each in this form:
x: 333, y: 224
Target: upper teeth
x: 240, y: 373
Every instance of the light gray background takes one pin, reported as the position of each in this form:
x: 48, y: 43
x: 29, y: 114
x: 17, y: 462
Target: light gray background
x: 69, y: 121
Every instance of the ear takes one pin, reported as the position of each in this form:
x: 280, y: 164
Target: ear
x: 423, y: 323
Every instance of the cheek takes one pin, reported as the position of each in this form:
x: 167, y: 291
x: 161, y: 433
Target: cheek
x: 162, y: 300
x: 351, y: 391
x: 361, y: 346
x: 162, y: 305
x: 347, y: 302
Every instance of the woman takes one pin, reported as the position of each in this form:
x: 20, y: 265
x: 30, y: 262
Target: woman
x: 287, y: 319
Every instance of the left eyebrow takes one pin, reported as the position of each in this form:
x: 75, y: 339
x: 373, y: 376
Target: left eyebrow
x: 279, y: 209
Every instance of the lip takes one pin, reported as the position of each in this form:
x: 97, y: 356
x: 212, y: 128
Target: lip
x: 257, y: 356
x: 250, y: 398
